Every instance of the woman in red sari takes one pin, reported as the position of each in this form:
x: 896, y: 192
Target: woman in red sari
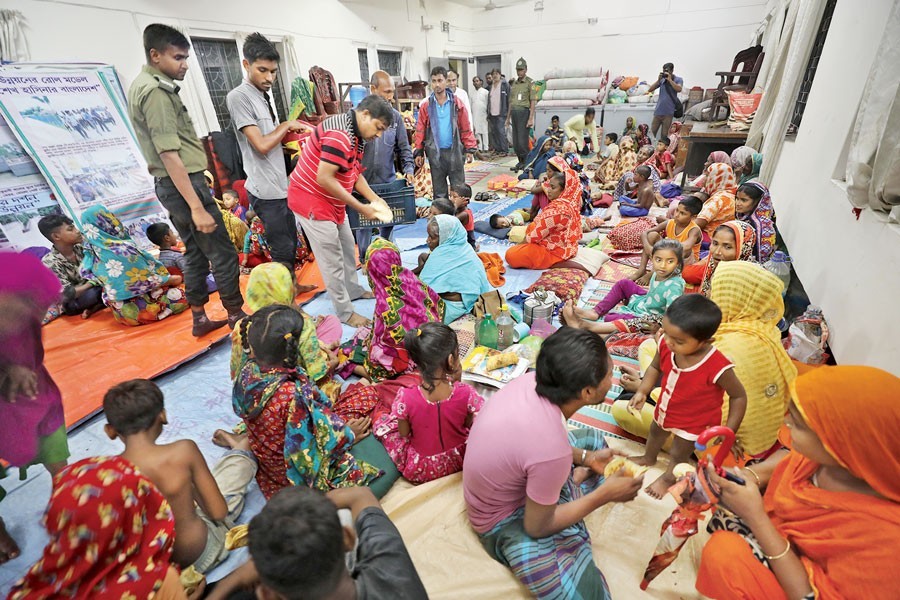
x: 111, y: 534
x: 552, y: 237
x: 828, y: 525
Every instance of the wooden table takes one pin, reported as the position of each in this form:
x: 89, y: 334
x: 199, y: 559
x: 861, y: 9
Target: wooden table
x: 703, y: 140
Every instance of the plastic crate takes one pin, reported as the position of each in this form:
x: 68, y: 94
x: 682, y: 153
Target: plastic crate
x: 401, y: 199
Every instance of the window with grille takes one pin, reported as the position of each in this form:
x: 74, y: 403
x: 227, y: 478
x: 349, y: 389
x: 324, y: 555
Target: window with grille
x: 811, y: 66
x: 363, y: 55
x: 220, y: 61
x: 389, y: 62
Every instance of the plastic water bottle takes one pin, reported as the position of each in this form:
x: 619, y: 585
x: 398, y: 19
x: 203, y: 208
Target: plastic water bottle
x: 487, y: 332
x: 506, y: 329
x: 780, y: 266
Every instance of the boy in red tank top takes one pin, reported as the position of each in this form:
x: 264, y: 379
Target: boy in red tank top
x: 695, y: 378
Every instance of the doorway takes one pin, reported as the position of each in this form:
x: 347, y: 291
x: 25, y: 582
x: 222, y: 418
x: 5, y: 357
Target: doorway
x: 486, y: 64
x: 461, y: 66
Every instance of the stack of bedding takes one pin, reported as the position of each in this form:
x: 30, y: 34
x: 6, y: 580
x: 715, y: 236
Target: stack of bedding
x: 574, y: 87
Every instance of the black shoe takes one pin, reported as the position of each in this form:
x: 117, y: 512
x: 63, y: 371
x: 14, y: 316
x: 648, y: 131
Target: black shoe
x: 205, y: 325
x: 234, y: 317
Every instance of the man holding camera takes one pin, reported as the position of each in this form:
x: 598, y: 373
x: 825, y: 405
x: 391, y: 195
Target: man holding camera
x: 669, y: 85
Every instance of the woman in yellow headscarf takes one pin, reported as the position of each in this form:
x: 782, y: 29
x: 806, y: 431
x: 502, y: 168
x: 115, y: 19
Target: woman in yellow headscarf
x: 828, y: 525
x: 751, y: 304
x: 270, y: 283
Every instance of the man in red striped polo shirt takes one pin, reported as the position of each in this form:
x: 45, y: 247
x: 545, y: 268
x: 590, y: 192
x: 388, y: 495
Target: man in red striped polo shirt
x: 320, y: 187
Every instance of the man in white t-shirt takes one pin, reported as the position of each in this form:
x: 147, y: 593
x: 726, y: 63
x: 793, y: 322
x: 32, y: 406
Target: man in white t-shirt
x: 461, y: 93
x: 480, y: 99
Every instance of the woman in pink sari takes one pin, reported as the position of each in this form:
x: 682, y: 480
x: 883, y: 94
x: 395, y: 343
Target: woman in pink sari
x: 32, y: 424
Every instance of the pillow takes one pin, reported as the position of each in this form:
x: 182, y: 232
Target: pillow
x: 590, y: 259
x: 517, y: 233
x: 627, y: 236
x: 567, y: 283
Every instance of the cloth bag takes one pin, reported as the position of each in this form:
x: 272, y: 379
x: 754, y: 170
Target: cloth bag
x: 488, y: 302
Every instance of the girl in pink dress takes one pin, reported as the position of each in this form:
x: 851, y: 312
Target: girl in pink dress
x: 427, y: 428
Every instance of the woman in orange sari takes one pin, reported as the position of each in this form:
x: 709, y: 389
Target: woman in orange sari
x: 828, y: 525
x: 552, y: 237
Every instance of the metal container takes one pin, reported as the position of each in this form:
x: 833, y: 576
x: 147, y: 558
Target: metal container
x: 540, y: 306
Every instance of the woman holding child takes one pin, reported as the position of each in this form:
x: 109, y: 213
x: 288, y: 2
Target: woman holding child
x: 136, y: 286
x: 552, y: 237
x: 828, y: 522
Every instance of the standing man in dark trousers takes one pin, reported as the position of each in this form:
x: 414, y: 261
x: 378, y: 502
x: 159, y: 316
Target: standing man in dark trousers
x: 669, y: 85
x: 521, y: 111
x: 498, y: 108
x: 259, y: 135
x: 380, y: 156
x: 177, y: 160
x: 444, y: 135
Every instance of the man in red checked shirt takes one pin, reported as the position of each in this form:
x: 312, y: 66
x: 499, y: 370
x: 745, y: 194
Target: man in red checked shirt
x: 319, y: 193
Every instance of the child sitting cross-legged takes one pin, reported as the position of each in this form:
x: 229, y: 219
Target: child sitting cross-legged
x: 80, y: 295
x: 666, y: 285
x: 136, y: 414
x: 171, y: 257
x: 662, y: 159
x: 166, y: 240
x: 681, y: 228
x: 695, y: 377
x: 302, y: 547
x: 637, y: 202
x: 428, y: 426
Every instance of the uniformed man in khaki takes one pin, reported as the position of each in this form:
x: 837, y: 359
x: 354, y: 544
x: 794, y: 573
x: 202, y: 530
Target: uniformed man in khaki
x: 521, y: 111
x: 177, y: 160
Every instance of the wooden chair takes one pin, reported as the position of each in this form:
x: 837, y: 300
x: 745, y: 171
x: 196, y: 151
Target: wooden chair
x: 749, y: 61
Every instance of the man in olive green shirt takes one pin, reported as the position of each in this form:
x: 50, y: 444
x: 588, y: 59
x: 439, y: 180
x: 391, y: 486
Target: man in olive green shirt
x: 521, y: 111
x: 177, y: 160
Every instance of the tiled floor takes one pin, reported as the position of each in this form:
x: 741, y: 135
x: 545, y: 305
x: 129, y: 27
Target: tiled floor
x: 198, y: 401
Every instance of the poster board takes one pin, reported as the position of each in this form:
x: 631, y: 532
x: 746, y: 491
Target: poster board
x: 73, y: 124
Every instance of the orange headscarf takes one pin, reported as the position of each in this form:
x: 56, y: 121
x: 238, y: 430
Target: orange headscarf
x: 720, y: 178
x: 558, y: 226
x: 848, y: 542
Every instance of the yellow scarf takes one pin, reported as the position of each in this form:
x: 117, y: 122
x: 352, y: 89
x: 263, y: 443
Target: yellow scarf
x: 751, y: 304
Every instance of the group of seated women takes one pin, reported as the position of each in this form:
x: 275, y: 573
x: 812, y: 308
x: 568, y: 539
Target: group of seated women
x: 818, y: 512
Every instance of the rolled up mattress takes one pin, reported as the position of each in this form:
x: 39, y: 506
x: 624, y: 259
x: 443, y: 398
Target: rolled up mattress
x: 571, y: 94
x: 555, y: 103
x: 575, y: 83
x: 566, y: 72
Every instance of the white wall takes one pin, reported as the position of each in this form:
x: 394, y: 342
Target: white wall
x: 327, y: 32
x: 849, y: 267
x: 631, y: 38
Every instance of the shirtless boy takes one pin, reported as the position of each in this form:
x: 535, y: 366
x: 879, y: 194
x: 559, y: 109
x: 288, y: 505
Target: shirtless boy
x: 637, y: 203
x: 204, y: 503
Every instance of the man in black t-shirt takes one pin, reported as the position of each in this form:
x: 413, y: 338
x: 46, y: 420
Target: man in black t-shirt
x: 299, y: 549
